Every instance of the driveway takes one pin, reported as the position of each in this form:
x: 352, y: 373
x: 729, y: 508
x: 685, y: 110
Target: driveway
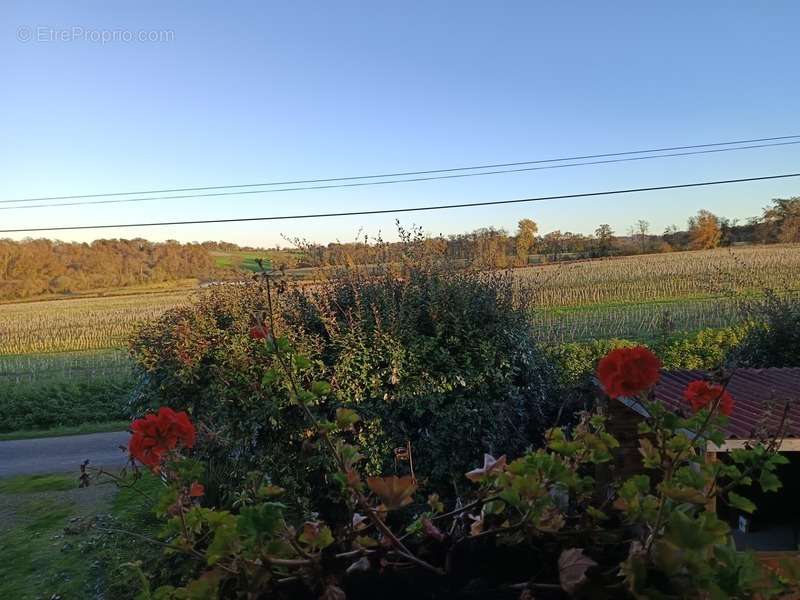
x: 62, y: 454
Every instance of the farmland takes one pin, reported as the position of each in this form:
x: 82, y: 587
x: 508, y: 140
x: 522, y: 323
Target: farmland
x: 670, y: 276
x: 63, y: 349
x: 638, y: 297
x: 630, y: 296
x: 80, y: 324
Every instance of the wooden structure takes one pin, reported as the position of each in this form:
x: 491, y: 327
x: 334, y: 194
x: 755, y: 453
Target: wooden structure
x: 766, y: 404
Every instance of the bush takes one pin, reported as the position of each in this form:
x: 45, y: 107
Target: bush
x: 577, y: 360
x: 63, y: 403
x: 200, y: 358
x: 706, y: 349
x: 442, y: 359
x: 774, y: 338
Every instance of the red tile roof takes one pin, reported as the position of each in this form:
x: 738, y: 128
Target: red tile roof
x: 760, y: 396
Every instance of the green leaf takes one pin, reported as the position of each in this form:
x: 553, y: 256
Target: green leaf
x: 270, y: 378
x: 557, y: 442
x: 741, y: 502
x: 651, y: 457
x: 316, y: 535
x: 261, y: 521
x: 321, y: 388
x: 304, y: 397
x: 301, y: 362
x: 224, y: 542
x: 346, y: 418
x: 768, y: 481
x: 778, y: 459
x: 596, y: 514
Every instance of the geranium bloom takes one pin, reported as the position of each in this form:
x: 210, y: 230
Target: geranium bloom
x: 159, y: 433
x: 259, y: 332
x: 701, y: 394
x: 628, y: 371
x: 196, y: 489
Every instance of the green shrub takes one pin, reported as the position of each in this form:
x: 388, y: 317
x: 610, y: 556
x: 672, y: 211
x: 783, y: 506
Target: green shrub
x: 706, y: 349
x: 577, y: 360
x: 200, y: 358
x: 59, y: 403
x: 442, y: 359
x: 774, y: 338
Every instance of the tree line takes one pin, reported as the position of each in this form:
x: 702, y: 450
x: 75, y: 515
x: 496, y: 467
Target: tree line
x: 489, y: 246
x: 34, y: 267
x: 37, y: 267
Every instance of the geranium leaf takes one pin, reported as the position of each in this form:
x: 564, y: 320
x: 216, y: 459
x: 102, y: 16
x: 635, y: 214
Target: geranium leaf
x: 572, y: 567
x: 394, y: 491
x: 741, y: 502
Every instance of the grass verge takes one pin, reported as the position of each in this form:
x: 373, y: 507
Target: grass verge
x: 29, y: 434
x: 62, y: 542
x: 26, y: 484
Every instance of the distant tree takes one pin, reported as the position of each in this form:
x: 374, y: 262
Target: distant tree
x: 728, y: 229
x: 525, y: 240
x: 782, y: 220
x: 704, y: 231
x: 553, y: 243
x: 640, y: 233
x: 605, y: 239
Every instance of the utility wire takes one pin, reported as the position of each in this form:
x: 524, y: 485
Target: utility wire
x: 391, y: 181
x: 406, y: 173
x: 408, y: 209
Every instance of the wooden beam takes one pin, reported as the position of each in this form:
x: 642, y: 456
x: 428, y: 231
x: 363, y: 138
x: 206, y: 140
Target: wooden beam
x: 787, y: 445
x: 711, y: 505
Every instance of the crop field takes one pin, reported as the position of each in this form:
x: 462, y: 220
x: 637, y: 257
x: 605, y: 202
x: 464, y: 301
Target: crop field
x: 636, y: 321
x: 633, y: 296
x: 639, y: 297
x: 39, y: 369
x: 654, y: 277
x: 81, y: 324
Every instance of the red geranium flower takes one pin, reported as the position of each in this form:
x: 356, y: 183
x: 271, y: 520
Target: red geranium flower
x: 628, y: 371
x: 196, y: 490
x: 159, y: 433
x: 701, y: 394
x: 259, y: 332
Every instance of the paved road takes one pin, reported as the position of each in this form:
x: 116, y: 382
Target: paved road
x: 62, y: 454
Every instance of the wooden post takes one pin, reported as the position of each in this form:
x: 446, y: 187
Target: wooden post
x: 711, y: 505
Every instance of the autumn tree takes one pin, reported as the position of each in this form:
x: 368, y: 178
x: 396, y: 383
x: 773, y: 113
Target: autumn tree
x: 782, y: 220
x: 704, y: 231
x: 605, y: 239
x: 525, y: 240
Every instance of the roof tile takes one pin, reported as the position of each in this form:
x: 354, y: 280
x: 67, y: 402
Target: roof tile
x: 760, y: 398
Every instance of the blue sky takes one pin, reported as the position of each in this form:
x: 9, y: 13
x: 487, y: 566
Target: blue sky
x: 259, y: 91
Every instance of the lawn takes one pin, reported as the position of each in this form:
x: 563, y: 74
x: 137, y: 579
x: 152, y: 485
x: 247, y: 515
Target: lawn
x: 56, y: 541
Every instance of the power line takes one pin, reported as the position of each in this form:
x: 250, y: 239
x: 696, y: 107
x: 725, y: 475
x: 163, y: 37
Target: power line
x: 409, y: 209
x: 406, y: 173
x: 390, y: 181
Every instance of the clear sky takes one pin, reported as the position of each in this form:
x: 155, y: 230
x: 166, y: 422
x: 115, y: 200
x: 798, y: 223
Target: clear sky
x: 240, y: 92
